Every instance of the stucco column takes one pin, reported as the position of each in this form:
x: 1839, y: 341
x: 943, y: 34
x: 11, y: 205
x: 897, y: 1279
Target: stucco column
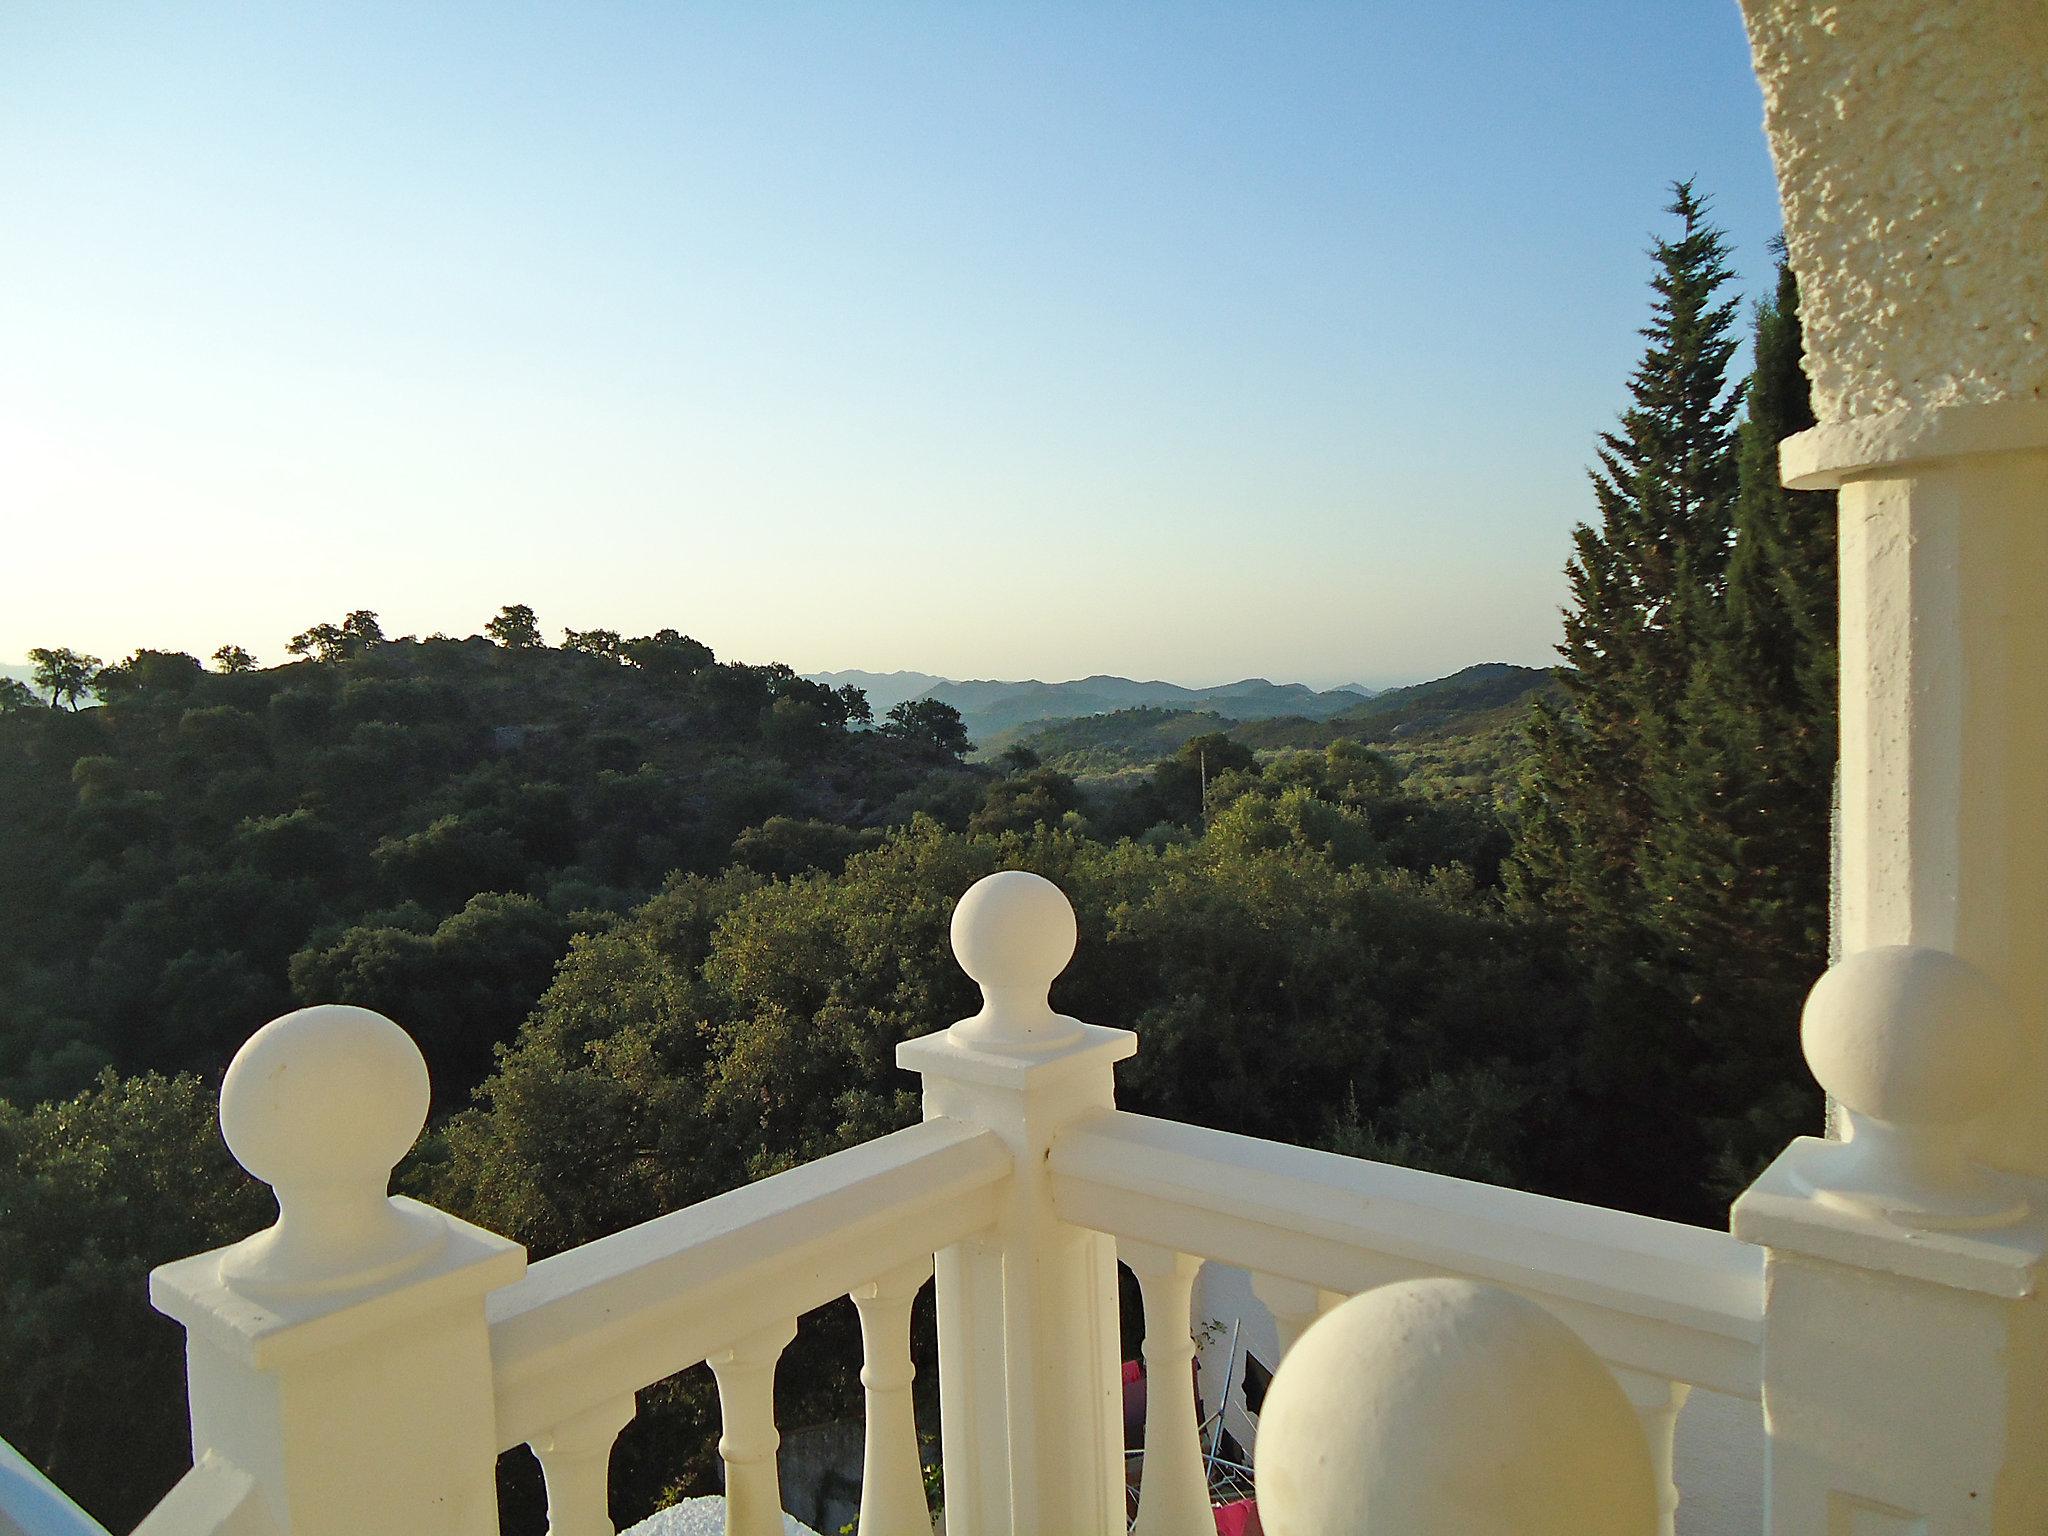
x: 1906, y: 1352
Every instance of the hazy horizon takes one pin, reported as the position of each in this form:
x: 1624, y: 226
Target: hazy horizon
x: 1215, y: 342
x: 22, y: 668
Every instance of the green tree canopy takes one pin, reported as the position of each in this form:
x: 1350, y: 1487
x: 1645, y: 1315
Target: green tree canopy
x: 63, y: 673
x: 668, y: 653
x: 595, y: 642
x: 338, y: 642
x: 1738, y: 869
x: 929, y: 723
x: 1644, y: 586
x: 516, y: 628
x: 96, y: 1191
x: 161, y: 673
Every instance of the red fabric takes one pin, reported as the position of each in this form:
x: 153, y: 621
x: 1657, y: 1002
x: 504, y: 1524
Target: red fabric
x: 1239, y: 1519
x: 1132, y: 1371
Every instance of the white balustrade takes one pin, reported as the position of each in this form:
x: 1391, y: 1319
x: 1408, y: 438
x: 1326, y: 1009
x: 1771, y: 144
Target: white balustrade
x: 1446, y: 1408
x: 1173, y: 1494
x: 1014, y: 1191
x: 575, y: 1460
x: 382, y: 1353
x: 621, y: 1313
x: 1676, y: 1302
x: 1914, y: 1044
x: 892, y: 1501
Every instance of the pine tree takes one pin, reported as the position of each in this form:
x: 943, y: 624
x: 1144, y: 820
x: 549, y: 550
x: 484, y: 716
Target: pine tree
x: 1645, y: 584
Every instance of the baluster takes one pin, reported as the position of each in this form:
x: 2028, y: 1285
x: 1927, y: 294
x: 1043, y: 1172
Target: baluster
x: 1656, y: 1401
x: 1173, y: 1497
x: 1293, y: 1305
x: 746, y: 1404
x: 576, y: 1462
x: 892, y: 1501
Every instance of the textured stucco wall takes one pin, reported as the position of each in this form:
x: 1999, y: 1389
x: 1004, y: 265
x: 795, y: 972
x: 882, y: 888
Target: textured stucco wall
x: 1912, y: 149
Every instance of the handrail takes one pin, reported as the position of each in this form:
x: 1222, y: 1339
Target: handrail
x: 613, y: 1316
x: 1670, y: 1300
x: 32, y: 1505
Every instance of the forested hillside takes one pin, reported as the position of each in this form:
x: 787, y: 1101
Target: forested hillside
x: 697, y: 906
x: 416, y: 826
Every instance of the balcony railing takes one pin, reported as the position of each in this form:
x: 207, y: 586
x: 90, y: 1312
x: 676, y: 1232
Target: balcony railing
x: 359, y: 1366
x: 1511, y: 1363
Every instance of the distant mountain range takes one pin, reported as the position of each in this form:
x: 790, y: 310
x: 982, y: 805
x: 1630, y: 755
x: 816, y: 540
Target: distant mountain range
x: 990, y: 707
x: 1471, y: 698
x: 1477, y: 699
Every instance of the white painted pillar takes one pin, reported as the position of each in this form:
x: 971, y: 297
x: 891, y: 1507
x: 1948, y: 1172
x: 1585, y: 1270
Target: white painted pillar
x: 1905, y: 1347
x: 1030, y: 1396
x: 339, y: 1363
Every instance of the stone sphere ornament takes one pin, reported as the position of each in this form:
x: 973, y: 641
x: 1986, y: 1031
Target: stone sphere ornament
x: 1448, y: 1408
x: 320, y: 1105
x: 1013, y: 933
x: 1914, y: 1043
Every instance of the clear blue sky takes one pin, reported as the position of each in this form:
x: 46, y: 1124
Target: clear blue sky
x: 1194, y: 341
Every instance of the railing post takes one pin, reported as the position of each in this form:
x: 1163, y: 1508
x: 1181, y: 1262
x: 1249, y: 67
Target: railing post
x: 1030, y: 1404
x: 1901, y: 1313
x: 339, y: 1364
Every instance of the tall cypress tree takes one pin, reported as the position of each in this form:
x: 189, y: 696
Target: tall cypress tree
x: 1645, y: 583
x: 1738, y: 869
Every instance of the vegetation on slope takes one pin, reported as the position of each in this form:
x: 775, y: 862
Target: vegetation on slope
x: 419, y: 826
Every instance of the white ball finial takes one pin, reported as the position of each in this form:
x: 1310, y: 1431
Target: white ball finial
x: 1014, y: 932
x: 1915, y: 1043
x: 1446, y: 1408
x: 320, y: 1105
